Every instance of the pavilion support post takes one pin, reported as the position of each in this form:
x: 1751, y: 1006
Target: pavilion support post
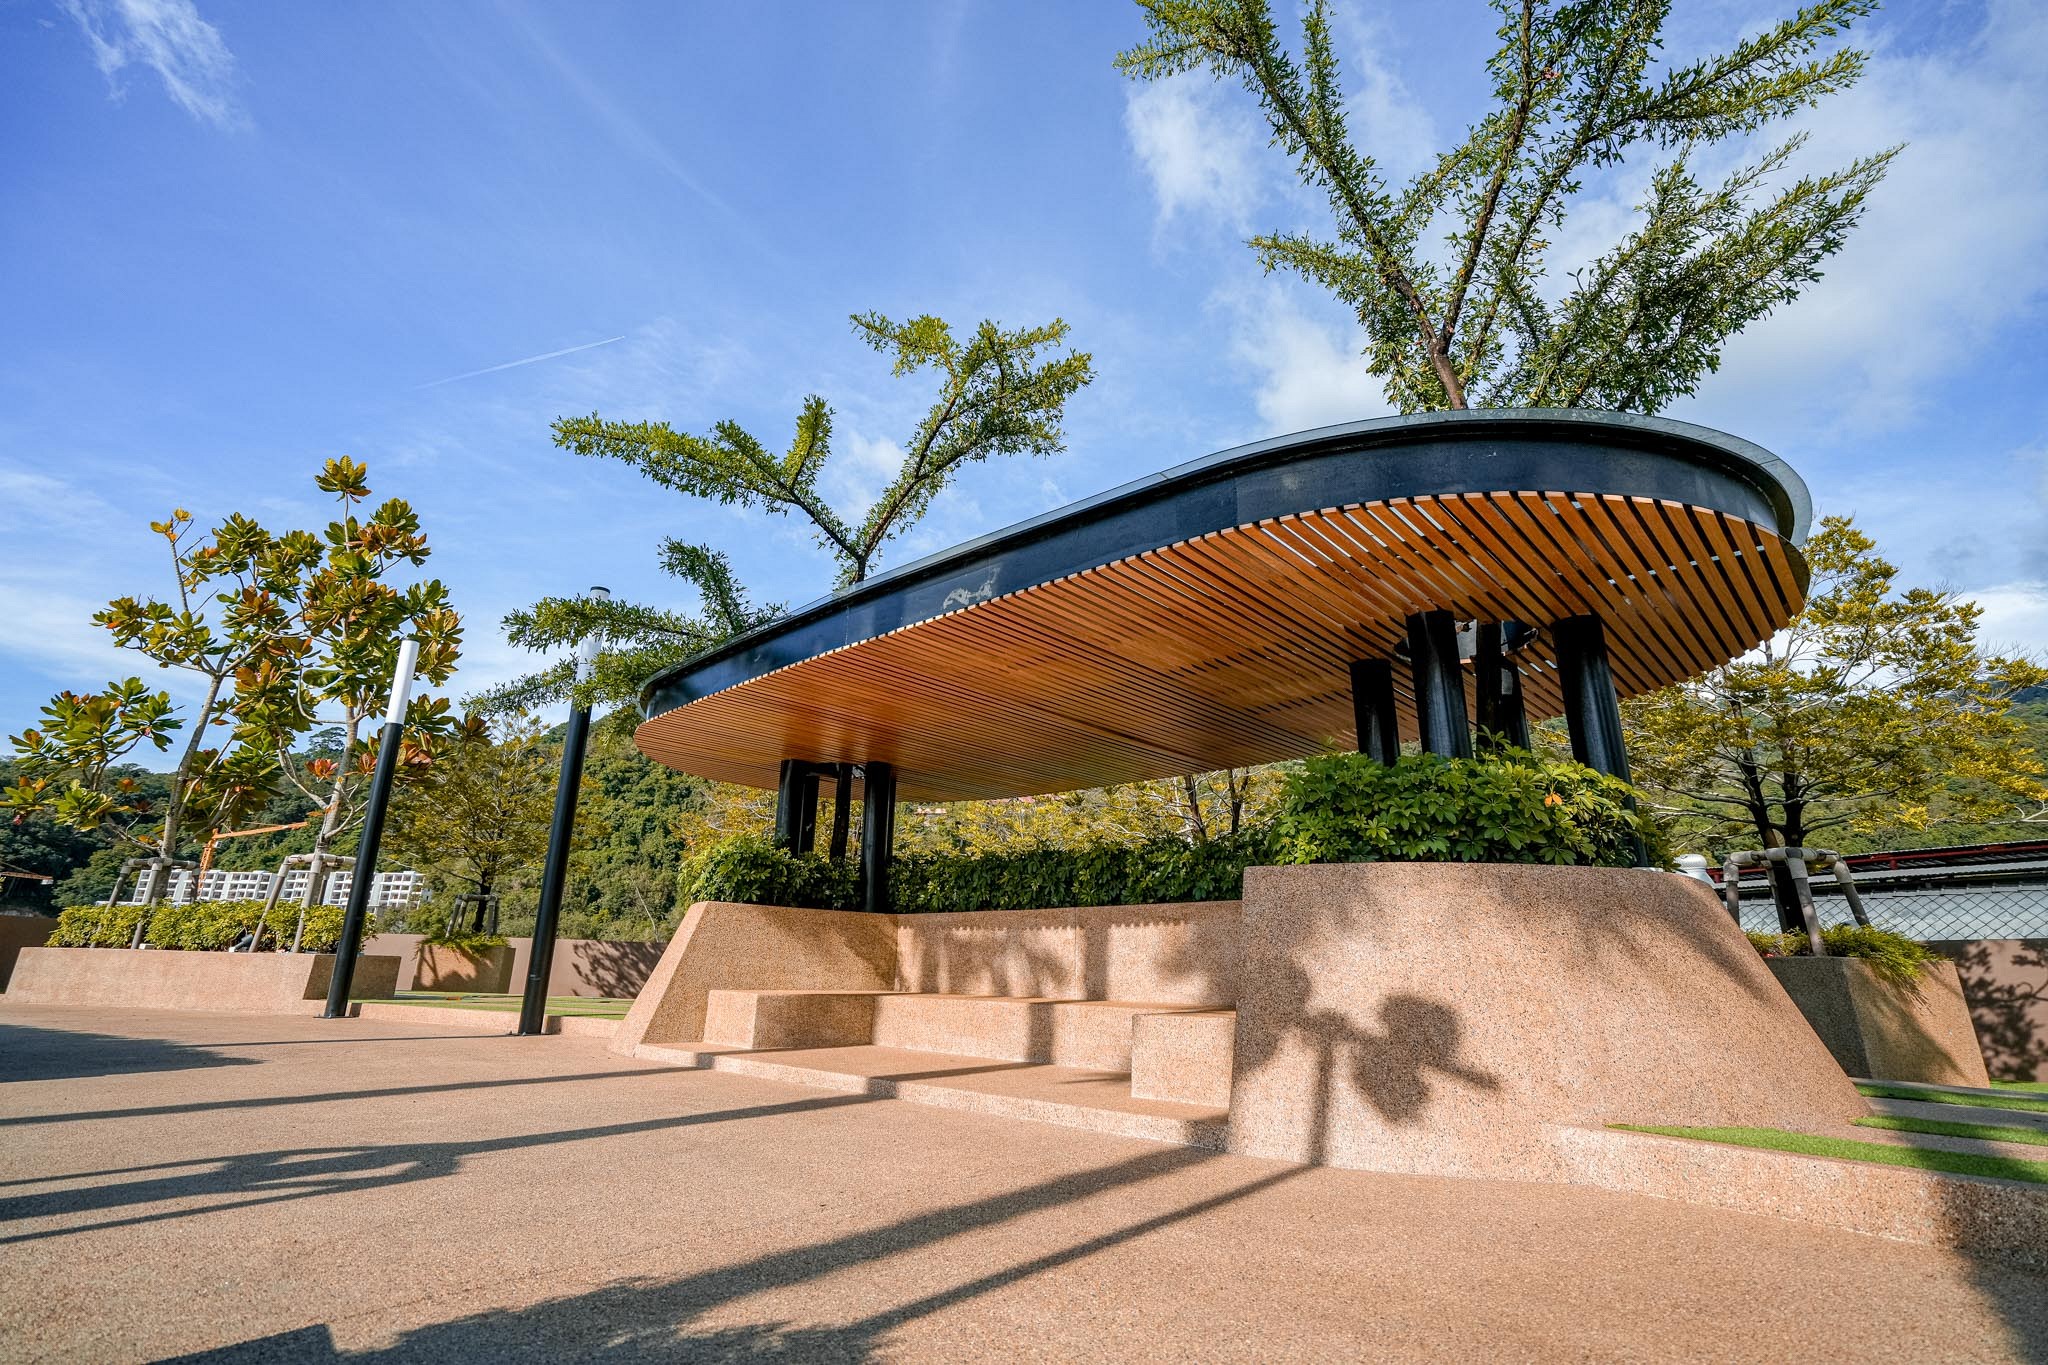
x: 1372, y: 706
x: 1439, y: 684
x: 877, y: 835
x: 796, y: 806
x: 842, y: 809
x: 1592, y: 707
x: 1497, y: 688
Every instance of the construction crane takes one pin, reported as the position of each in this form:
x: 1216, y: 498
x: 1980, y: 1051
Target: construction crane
x: 206, y: 854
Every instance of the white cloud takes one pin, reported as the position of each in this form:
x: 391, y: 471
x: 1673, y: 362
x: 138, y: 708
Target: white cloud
x: 1948, y: 251
x: 2015, y: 617
x: 1387, y: 121
x: 1198, y: 146
x: 1310, y: 374
x: 858, y: 470
x: 170, y: 38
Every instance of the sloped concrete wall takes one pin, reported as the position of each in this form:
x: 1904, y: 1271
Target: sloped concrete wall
x: 1455, y: 1019
x: 1164, y: 954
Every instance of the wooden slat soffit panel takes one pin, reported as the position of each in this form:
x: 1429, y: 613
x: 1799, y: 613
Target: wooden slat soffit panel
x: 1233, y: 648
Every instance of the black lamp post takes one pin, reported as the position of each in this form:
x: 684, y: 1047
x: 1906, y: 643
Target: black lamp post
x: 365, y: 874
x: 540, y: 961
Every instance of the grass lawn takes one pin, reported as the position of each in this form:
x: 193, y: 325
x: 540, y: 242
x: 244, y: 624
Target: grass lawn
x: 596, y: 1006
x: 2019, y: 1099
x: 1848, y: 1149
x: 2037, y: 1087
x: 1985, y: 1132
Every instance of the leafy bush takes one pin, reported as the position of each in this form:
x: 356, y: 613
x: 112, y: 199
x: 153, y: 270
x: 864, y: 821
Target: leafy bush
x: 1509, y: 808
x: 1513, y: 808
x: 1894, y: 957
x: 754, y: 871
x: 1152, y: 873
x: 198, y: 926
x: 95, y: 926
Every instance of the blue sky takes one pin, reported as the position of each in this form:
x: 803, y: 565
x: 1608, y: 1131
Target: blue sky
x: 239, y: 237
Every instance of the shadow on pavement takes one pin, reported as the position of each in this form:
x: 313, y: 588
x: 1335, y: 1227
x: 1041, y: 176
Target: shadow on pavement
x: 40, y: 1054
x: 651, y: 1319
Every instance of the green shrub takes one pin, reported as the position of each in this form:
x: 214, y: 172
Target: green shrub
x: 199, y: 926
x: 1158, y: 872
x: 95, y: 926
x: 754, y: 871
x: 1510, y: 808
x: 1894, y: 957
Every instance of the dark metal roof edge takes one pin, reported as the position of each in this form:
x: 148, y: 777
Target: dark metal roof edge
x: 1777, y: 481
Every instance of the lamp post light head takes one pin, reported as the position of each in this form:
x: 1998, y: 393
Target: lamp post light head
x: 401, y: 679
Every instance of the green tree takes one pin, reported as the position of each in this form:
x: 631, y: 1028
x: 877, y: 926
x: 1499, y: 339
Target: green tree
x: 1874, y: 708
x: 1574, y: 92
x: 337, y: 672
x: 278, y: 631
x: 1001, y: 392
x: 478, y: 821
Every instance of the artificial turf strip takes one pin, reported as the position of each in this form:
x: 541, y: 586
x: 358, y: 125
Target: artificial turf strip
x: 1846, y: 1149
x: 2037, y: 1087
x: 2026, y: 1103
x: 1983, y: 1132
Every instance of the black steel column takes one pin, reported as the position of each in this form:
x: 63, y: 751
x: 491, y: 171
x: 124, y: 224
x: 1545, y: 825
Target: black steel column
x: 877, y: 835
x: 1592, y: 710
x: 842, y: 809
x: 364, y: 876
x: 1372, y: 708
x: 540, y: 959
x: 554, y: 877
x: 1497, y: 688
x: 789, y: 790
x: 1439, y: 684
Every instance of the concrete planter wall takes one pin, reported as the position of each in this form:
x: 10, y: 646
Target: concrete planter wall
x: 445, y: 968
x: 18, y: 932
x: 224, y: 983
x: 1881, y: 1031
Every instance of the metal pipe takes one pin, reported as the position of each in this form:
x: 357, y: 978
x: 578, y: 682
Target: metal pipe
x: 365, y: 870
x: 540, y: 958
x: 1847, y: 882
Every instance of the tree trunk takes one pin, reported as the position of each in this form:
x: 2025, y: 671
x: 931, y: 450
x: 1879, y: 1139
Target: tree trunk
x: 167, y: 847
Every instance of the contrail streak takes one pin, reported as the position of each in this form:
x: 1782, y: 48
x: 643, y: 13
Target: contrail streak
x: 515, y: 364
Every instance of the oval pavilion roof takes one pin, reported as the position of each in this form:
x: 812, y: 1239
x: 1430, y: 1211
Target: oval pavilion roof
x: 1204, y: 617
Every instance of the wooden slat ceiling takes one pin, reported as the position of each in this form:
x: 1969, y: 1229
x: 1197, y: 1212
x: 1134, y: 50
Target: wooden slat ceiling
x: 1233, y: 648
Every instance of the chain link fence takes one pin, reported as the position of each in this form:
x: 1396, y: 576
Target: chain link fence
x: 1994, y: 892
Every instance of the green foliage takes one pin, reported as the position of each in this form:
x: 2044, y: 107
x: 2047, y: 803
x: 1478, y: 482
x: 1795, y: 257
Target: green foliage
x: 1577, y: 88
x: 1001, y: 392
x: 477, y: 820
x: 1875, y: 708
x: 1510, y: 807
x: 95, y: 926
x: 279, y: 629
x: 197, y: 926
x: 1157, y: 872
x: 1894, y: 957
x: 752, y: 870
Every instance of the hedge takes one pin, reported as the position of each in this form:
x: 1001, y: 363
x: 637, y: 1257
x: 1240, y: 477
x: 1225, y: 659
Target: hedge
x: 1512, y: 807
x: 196, y: 926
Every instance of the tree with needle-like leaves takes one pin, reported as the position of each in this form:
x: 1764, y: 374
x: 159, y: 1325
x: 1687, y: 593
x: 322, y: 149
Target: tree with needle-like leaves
x: 1480, y: 323
x: 1001, y: 392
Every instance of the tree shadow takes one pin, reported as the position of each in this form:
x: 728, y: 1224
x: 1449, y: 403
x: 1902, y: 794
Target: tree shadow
x: 28, y: 1053
x: 649, y: 1319
x: 614, y: 970
x: 2005, y: 982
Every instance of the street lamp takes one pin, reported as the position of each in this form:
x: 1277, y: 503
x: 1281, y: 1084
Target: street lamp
x: 373, y: 832
x: 540, y: 959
